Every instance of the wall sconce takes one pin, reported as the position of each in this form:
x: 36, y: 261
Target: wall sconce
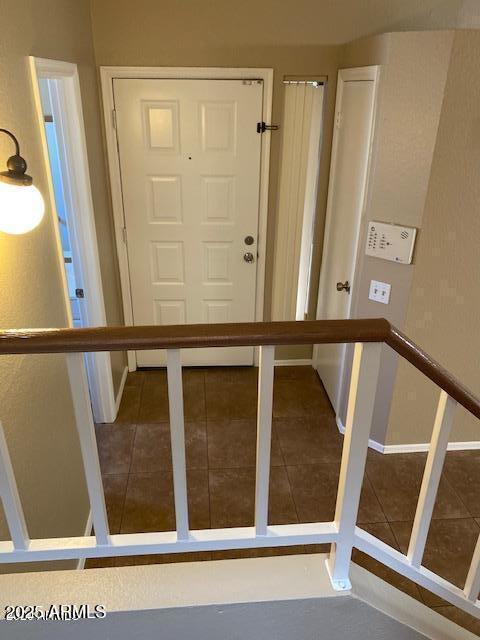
x: 21, y: 203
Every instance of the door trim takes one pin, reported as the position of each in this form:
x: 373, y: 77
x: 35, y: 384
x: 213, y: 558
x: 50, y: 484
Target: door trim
x: 99, y: 366
x: 346, y: 75
x: 107, y: 76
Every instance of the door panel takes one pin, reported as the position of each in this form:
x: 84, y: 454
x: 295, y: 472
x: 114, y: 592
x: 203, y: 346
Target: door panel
x: 190, y: 164
x: 348, y: 175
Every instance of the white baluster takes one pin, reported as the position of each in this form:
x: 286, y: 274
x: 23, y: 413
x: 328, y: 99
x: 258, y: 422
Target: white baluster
x: 264, y: 436
x: 177, y: 434
x: 472, y: 583
x: 363, y: 387
x: 11, y: 499
x: 431, y: 477
x: 88, y: 445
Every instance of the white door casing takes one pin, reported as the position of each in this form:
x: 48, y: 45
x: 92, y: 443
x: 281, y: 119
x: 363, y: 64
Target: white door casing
x: 69, y: 118
x: 190, y: 161
x: 351, y: 152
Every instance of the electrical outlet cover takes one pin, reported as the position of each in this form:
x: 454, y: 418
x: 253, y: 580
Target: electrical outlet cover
x: 379, y: 291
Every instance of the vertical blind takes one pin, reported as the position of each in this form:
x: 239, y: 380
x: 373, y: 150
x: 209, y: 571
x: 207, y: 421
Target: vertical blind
x: 299, y: 166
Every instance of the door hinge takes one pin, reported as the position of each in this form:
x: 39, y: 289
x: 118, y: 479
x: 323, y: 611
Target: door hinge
x: 80, y: 293
x: 338, y: 119
x: 262, y: 127
x: 124, y: 235
x: 114, y: 119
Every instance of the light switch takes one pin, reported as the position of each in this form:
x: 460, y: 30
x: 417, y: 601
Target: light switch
x: 379, y: 291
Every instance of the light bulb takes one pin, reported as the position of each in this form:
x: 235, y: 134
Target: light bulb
x: 21, y: 208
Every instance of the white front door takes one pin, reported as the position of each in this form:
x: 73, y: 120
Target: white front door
x: 190, y: 165
x: 346, y: 192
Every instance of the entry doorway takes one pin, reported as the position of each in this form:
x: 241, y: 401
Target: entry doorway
x: 59, y: 109
x: 189, y: 165
x: 351, y: 153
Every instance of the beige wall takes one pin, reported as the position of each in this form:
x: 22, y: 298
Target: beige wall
x: 412, y: 83
x: 444, y: 307
x: 425, y: 165
x: 35, y: 401
x: 101, y: 200
x: 100, y: 190
x: 40, y: 35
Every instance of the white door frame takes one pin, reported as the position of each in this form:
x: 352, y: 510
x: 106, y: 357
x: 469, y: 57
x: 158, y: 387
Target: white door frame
x: 84, y: 237
x: 107, y: 76
x: 345, y: 75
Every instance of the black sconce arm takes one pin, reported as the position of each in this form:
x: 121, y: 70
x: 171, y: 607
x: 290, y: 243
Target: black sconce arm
x: 16, y: 165
x: 15, y: 141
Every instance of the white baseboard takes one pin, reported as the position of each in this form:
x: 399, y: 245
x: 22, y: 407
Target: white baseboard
x: 87, y: 532
x: 373, y: 444
x: 305, y: 362
x: 118, y: 399
x: 413, y: 447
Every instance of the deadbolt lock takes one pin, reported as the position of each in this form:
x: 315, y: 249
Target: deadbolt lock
x: 249, y: 240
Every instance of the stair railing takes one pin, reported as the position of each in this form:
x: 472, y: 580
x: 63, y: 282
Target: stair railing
x: 343, y: 532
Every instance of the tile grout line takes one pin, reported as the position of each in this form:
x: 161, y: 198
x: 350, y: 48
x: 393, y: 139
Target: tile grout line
x: 274, y: 431
x: 292, y: 494
x: 395, y: 537
x: 388, y: 523
x: 375, y: 494
x: 206, y: 444
x: 131, y: 453
x: 445, y: 476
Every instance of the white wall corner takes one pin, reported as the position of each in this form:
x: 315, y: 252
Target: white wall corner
x: 87, y: 532
x: 119, y: 396
x: 373, y: 444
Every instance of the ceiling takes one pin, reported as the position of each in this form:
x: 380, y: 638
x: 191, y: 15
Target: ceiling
x: 273, y: 22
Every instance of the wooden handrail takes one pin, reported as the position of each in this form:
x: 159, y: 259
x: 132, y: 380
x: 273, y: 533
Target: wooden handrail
x: 433, y: 370
x: 25, y: 341
x: 194, y: 335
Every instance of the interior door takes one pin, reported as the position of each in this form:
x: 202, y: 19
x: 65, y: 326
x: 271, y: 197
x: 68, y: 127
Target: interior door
x: 190, y: 165
x: 348, y: 174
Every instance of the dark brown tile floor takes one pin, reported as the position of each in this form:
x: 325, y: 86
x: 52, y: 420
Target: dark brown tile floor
x: 220, y: 410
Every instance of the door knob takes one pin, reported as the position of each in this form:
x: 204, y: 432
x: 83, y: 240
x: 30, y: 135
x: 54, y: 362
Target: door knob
x: 248, y: 257
x: 343, y: 286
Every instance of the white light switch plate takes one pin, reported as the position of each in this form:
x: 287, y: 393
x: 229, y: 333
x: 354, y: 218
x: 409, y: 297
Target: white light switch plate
x: 379, y: 291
